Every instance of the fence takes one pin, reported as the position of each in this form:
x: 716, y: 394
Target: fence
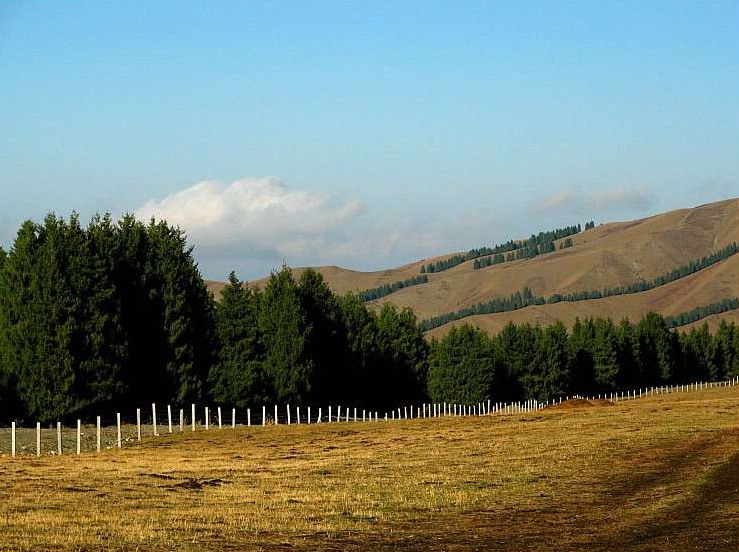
x: 108, y: 433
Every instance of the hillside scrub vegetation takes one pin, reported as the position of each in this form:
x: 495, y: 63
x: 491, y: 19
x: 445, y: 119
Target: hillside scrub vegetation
x: 526, y: 298
x: 537, y: 244
x: 117, y: 313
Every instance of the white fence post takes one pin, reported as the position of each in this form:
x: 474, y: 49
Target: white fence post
x: 319, y: 415
x: 207, y: 419
x: 154, y: 418
x: 233, y: 418
x: 220, y: 420
x: 12, y: 438
x: 118, y: 423
x: 248, y: 416
x: 169, y: 417
x: 38, y: 438
x: 193, y: 416
x: 59, y: 438
x: 288, y: 414
x: 138, y: 423
x: 297, y: 414
x: 329, y: 413
x: 79, y: 435
x: 277, y: 421
x: 182, y: 420
x: 264, y: 415
x: 97, y: 441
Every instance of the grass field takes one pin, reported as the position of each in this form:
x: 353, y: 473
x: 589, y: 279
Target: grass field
x: 660, y: 473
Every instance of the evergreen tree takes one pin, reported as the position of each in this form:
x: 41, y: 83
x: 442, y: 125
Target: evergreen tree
x: 548, y: 374
x: 238, y: 376
x: 282, y: 326
x: 404, y: 352
x: 462, y: 367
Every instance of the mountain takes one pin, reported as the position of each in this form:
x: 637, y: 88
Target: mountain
x: 603, y: 257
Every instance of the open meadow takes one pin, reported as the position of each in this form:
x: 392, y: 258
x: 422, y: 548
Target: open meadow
x: 658, y: 473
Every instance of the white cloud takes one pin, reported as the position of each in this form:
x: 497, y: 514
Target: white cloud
x: 259, y: 215
x: 252, y: 225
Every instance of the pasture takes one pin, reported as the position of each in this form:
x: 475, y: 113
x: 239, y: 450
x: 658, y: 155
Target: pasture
x: 656, y: 473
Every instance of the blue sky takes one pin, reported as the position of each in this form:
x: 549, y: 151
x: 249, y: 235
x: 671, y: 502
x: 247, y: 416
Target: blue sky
x: 365, y: 134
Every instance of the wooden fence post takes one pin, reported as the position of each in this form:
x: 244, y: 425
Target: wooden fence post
x: 59, y: 438
x: 97, y: 441
x: 118, y: 423
x: 38, y: 438
x: 79, y: 435
x: 169, y: 417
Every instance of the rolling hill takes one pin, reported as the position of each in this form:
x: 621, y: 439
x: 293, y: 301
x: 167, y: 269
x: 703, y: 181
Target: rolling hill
x: 606, y: 256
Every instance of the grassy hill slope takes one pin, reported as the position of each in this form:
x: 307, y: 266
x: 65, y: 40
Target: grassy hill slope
x: 607, y: 256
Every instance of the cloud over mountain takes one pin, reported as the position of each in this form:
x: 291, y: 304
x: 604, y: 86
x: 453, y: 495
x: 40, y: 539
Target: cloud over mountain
x: 256, y: 216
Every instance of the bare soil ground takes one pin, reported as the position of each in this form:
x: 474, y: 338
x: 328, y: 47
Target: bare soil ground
x: 659, y: 473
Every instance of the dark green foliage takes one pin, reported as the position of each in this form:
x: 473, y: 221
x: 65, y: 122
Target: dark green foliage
x: 589, y: 225
x: 238, y: 377
x: 595, y: 357
x: 101, y: 315
x: 462, y: 367
x: 387, y: 289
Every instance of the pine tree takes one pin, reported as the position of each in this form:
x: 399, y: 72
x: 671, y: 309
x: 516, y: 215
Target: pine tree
x: 237, y: 378
x: 462, y: 367
x: 282, y: 325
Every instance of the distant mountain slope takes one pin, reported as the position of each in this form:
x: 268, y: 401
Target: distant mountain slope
x: 607, y: 256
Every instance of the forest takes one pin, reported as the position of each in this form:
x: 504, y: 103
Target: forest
x: 117, y: 314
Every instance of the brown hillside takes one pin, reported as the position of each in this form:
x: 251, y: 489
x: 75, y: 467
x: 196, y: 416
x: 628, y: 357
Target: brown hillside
x: 707, y: 286
x: 609, y: 255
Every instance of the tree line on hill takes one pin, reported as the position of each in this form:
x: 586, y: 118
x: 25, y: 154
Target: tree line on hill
x: 537, y: 244
x: 525, y: 298
x: 386, y: 289
x: 116, y: 314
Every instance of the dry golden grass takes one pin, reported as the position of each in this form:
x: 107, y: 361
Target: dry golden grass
x: 651, y: 474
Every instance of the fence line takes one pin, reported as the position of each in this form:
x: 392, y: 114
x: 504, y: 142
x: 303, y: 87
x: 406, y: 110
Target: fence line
x: 335, y: 415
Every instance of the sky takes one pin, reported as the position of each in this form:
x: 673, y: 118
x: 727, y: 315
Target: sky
x: 364, y: 134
